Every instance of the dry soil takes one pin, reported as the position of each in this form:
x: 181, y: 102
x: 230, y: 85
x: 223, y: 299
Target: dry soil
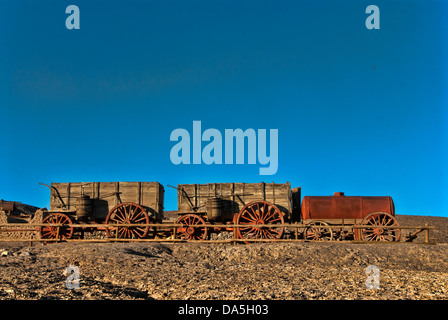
x: 227, y: 271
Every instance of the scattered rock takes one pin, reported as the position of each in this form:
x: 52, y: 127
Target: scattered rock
x: 225, y: 271
x: 5, y: 253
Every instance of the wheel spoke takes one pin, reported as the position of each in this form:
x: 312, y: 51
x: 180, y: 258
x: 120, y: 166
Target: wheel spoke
x: 251, y: 216
x: 264, y: 213
x: 270, y: 214
x: 120, y: 213
x: 276, y: 219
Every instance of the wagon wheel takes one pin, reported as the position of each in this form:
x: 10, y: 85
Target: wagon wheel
x: 318, y: 230
x: 259, y: 212
x: 378, y: 220
x: 53, y: 232
x: 189, y: 232
x: 127, y: 213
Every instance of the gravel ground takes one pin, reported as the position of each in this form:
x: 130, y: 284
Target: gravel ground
x: 226, y: 271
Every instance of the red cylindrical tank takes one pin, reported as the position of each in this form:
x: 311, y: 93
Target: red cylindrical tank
x: 340, y: 206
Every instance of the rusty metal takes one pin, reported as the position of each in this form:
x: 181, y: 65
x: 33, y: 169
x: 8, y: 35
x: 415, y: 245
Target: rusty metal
x: 339, y: 206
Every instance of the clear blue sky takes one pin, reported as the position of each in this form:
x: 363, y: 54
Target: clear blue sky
x: 360, y: 111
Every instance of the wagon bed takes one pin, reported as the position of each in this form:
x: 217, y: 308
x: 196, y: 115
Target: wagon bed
x: 106, y: 195
x: 193, y: 197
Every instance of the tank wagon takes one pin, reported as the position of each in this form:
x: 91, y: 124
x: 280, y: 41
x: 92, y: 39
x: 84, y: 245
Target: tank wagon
x: 320, y: 212
x: 249, y: 210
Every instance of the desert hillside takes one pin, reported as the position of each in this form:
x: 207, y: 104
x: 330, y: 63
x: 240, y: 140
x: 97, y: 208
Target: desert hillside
x: 227, y: 271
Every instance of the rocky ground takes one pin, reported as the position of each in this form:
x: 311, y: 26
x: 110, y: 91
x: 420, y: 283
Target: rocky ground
x: 226, y: 271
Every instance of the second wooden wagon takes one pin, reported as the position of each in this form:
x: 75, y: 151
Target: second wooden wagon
x: 235, y: 203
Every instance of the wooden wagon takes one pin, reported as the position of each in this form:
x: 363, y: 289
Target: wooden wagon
x: 248, y: 204
x: 120, y: 203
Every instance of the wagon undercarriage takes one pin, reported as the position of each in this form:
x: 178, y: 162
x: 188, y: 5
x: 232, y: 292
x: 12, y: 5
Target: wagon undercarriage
x: 130, y: 223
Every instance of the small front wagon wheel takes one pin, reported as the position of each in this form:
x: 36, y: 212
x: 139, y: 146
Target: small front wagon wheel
x: 318, y: 231
x: 259, y: 213
x: 190, y: 231
x: 63, y: 232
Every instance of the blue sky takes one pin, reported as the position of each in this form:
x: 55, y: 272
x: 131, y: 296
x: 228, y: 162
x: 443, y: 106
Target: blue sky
x: 360, y: 111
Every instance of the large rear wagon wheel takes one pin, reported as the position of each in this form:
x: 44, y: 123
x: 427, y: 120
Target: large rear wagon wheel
x: 54, y: 232
x: 376, y: 221
x: 127, y: 213
x: 259, y: 212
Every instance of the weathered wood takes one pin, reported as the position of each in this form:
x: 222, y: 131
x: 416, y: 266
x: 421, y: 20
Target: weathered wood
x: 214, y: 225
x: 214, y: 241
x: 105, y: 195
x: 192, y: 198
x: 34, y: 227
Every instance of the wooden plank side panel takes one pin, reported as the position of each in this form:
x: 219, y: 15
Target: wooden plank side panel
x: 67, y: 192
x: 150, y: 195
x: 129, y: 192
x: 235, y: 195
x: 104, y: 196
x: 183, y: 198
